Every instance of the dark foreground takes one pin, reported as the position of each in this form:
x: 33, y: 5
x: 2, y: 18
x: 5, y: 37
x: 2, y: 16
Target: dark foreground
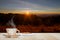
x: 34, y: 29
x: 33, y: 23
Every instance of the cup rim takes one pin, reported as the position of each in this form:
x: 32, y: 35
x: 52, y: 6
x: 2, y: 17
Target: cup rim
x: 11, y: 28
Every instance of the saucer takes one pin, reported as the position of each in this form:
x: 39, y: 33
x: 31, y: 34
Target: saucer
x: 11, y: 36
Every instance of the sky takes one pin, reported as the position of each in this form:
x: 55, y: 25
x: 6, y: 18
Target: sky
x: 31, y: 5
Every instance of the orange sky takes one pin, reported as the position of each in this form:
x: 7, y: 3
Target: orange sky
x: 29, y: 12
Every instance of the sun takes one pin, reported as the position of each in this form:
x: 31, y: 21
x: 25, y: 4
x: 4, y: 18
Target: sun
x: 27, y: 15
x: 27, y: 12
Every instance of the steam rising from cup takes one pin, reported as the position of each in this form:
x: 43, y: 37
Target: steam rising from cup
x: 11, y: 23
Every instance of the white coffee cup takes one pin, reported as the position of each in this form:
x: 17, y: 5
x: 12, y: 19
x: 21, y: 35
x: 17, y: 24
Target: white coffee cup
x: 12, y: 31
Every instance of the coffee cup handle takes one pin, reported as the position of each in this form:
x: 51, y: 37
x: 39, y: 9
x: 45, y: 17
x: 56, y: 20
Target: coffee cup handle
x: 18, y: 31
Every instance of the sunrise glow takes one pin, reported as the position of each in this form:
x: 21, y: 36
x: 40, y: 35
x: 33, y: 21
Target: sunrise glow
x: 27, y: 13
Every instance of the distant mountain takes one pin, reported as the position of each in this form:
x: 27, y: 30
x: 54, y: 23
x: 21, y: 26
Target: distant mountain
x: 46, y: 15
